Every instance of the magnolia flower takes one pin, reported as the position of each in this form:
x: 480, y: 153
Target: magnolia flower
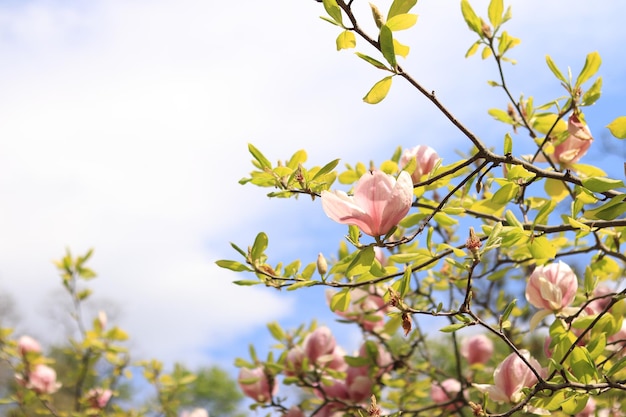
x: 589, y: 410
x: 442, y: 392
x: 477, y: 349
x: 511, y: 377
x: 256, y: 384
x: 552, y: 287
x: 26, y: 344
x: 42, y: 379
x: 577, y: 143
x: 425, y: 157
x: 98, y: 397
x: 319, y: 343
x: 378, y: 204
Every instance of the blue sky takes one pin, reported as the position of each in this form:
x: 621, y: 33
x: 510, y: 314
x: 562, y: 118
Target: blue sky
x: 124, y: 127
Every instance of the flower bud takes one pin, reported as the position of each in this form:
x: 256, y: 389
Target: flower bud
x: 256, y: 384
x: 322, y: 265
x: 477, y: 349
x: 445, y: 391
x: 425, y: 157
x: 319, y: 343
x: 576, y: 145
x: 26, y: 344
x: 552, y: 287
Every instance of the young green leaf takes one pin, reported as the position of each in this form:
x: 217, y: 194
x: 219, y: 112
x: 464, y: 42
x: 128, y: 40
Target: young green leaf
x: 402, y: 21
x: 593, y: 93
x: 386, y: 45
x: 496, y: 7
x: 600, y: 184
x: 379, y: 91
x: 472, y: 20
x: 232, y: 265
x: 400, y: 7
x: 592, y: 64
x: 555, y: 69
x: 346, y: 40
x: 618, y: 127
x: 333, y: 10
x: 260, y: 244
x: 261, y: 159
x: 372, y: 61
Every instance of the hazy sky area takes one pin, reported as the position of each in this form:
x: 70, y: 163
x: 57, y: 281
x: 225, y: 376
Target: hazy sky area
x: 124, y: 127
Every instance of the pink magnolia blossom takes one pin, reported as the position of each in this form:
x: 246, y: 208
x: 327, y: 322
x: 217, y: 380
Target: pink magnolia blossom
x: 589, y: 410
x: 511, y: 377
x: 319, y: 343
x: 42, y: 379
x: 477, y: 349
x: 552, y: 287
x: 256, y: 384
x: 442, y: 392
x: 577, y: 143
x: 599, y: 304
x: 378, y: 204
x: 98, y: 397
x: 426, y: 159
x: 26, y: 344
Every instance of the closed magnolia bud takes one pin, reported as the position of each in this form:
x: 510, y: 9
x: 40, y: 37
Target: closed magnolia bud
x: 425, y: 157
x: 27, y: 344
x: 98, y: 397
x: 552, y: 287
x: 445, y: 391
x: 477, y: 349
x: 319, y: 343
x: 577, y: 143
x: 378, y: 16
x: 256, y: 384
x: 322, y: 265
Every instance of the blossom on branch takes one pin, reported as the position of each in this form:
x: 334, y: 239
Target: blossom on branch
x: 477, y: 349
x: 577, y: 143
x: 26, y: 344
x: 511, y: 377
x: 552, y: 287
x: 377, y: 206
x: 42, y: 379
x: 256, y: 384
x: 425, y: 157
x: 98, y: 397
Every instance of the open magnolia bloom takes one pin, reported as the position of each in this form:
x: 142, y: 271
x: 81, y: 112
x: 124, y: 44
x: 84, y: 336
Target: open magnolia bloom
x: 378, y: 204
x: 425, y: 158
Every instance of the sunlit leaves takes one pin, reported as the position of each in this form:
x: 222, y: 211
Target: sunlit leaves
x: 379, y: 91
x: 555, y: 70
x: 600, y: 184
x: 372, y: 61
x: 386, y: 45
x: 593, y: 93
x: 472, y: 20
x: 400, y: 7
x: 401, y: 22
x: 618, y: 127
x: 346, y: 40
x: 494, y: 12
x: 334, y: 11
x: 592, y: 64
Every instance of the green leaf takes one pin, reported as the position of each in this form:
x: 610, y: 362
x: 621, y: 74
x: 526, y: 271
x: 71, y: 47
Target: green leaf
x: 608, y: 211
x: 452, y: 327
x: 386, y: 45
x: 508, y: 146
x: 618, y: 127
x: 260, y: 244
x: 401, y: 21
x: 472, y: 20
x: 362, y: 262
x: 400, y: 7
x: 300, y: 284
x: 246, y: 282
x: 333, y: 10
x: 592, y: 64
x: 403, y: 285
x: 232, y: 265
x: 472, y: 49
x: 508, y: 310
x: 555, y: 69
x: 512, y: 220
x: 496, y: 8
x: 505, y: 194
x: 261, y: 159
x: 541, y: 248
x: 593, y: 93
x: 346, y: 40
x: 543, y: 122
x: 372, y: 61
x: 555, y: 189
x: 379, y: 91
x: 326, y: 169
x: 340, y: 300
x: 276, y: 331
x: 501, y: 116
x: 601, y: 184
x: 400, y: 49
